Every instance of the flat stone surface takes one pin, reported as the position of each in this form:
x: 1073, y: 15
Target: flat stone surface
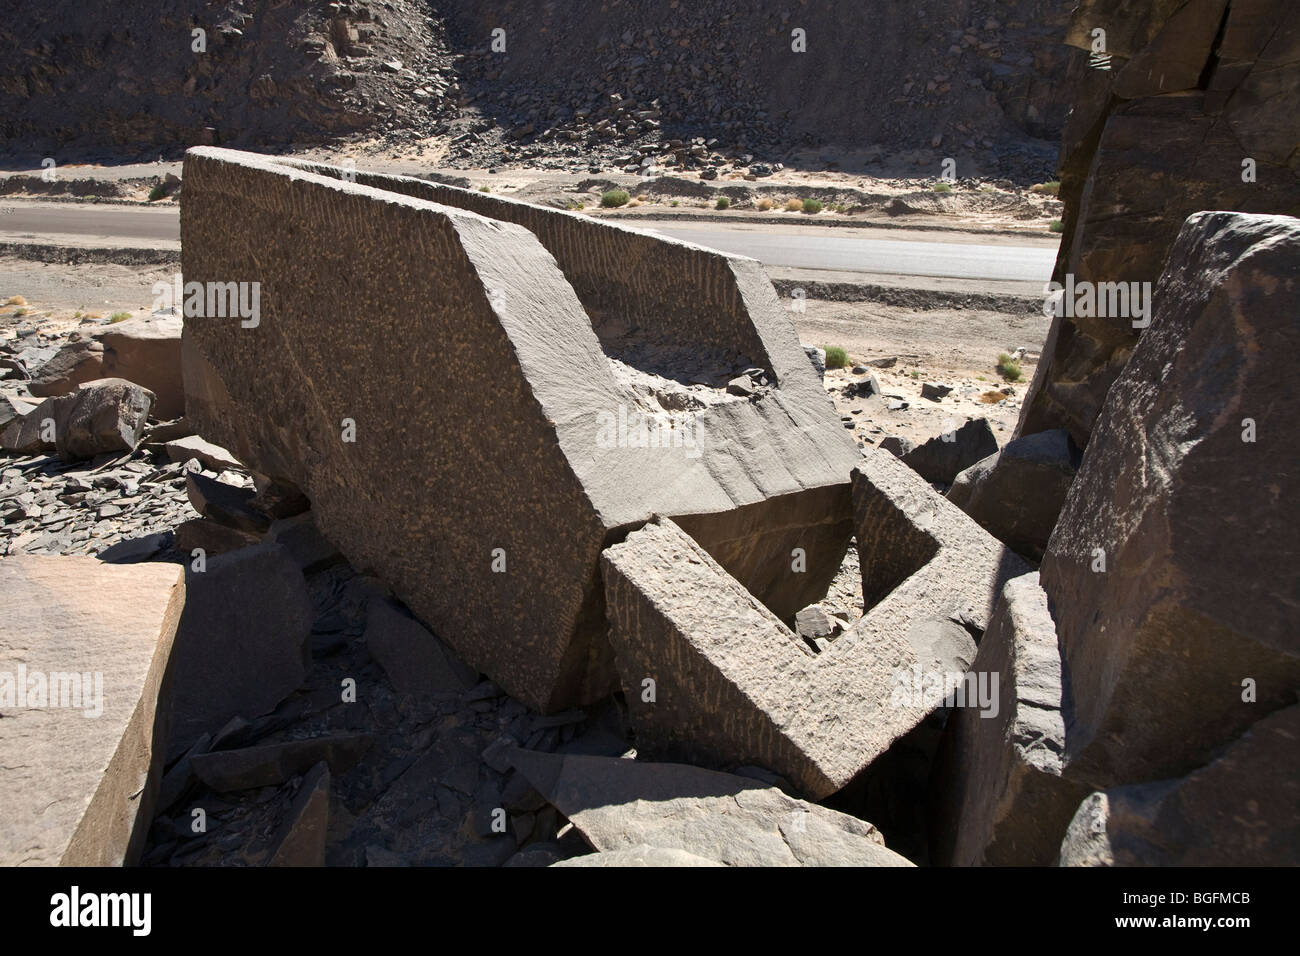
x: 641, y: 855
x: 79, y: 789
x: 242, y: 646
x: 620, y: 805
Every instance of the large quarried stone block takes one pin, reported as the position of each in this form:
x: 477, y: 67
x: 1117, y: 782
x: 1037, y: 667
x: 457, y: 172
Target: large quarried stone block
x: 1242, y: 809
x: 1001, y: 797
x: 84, y: 646
x: 1172, y: 572
x: 733, y: 685
x: 502, y: 435
x: 665, y: 305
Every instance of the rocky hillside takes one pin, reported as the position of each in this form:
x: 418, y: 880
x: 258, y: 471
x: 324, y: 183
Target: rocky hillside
x: 272, y: 72
x: 907, y: 81
x: 972, y: 79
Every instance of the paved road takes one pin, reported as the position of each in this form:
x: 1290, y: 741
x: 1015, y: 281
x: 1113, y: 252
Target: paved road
x: 838, y: 250
x: 141, y: 225
x: 808, y: 247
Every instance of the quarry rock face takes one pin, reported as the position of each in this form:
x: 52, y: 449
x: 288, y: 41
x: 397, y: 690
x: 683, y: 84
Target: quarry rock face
x: 998, y: 776
x: 733, y: 684
x: 1172, y: 571
x: 1238, y: 810
x: 475, y: 411
x: 1204, y: 94
x: 83, y: 650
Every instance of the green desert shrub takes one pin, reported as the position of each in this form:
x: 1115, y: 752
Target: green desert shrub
x: 836, y: 357
x: 1008, y: 367
x: 614, y: 197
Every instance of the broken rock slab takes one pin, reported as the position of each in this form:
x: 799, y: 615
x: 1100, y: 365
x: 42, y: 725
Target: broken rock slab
x: 73, y: 364
x: 416, y: 662
x: 1016, y: 494
x: 943, y: 457
x: 31, y: 432
x: 1239, y: 810
x: 147, y: 350
x: 301, y: 840
x: 225, y: 504
x: 712, y: 676
x: 13, y: 409
x: 242, y: 645
x: 559, y: 436
x: 1172, y: 571
x: 212, y: 457
x: 210, y: 537
x: 299, y: 536
x: 273, y: 764
x: 619, y: 804
x: 81, y: 639
x: 1002, y: 799
x: 638, y: 856
x: 104, y: 415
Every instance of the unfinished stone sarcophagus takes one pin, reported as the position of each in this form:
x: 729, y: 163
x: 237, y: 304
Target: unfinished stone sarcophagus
x: 733, y: 685
x: 478, y: 404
